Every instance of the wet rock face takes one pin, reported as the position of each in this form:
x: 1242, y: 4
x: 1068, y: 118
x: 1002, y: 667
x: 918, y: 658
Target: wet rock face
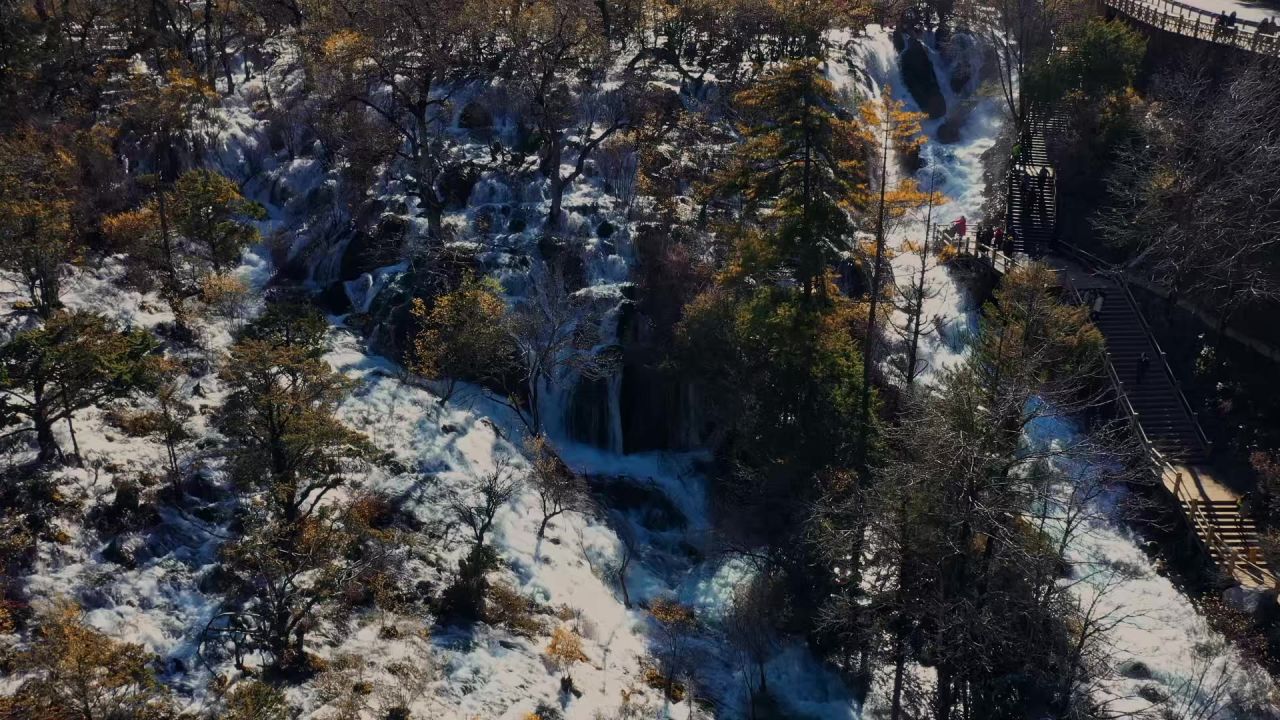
x: 645, y: 502
x: 918, y: 74
x: 456, y: 184
x: 949, y: 130
x: 588, y: 418
x: 475, y: 117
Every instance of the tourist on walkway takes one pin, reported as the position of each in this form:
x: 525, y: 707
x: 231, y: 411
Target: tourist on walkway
x: 959, y: 227
x: 1143, y: 362
x: 1096, y: 312
x: 1042, y: 189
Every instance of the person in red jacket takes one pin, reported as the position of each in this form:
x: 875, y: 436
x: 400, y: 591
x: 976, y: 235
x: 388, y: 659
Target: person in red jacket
x: 959, y: 227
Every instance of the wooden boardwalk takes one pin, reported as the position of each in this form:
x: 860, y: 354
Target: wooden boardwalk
x: 1192, y: 22
x: 1148, y: 395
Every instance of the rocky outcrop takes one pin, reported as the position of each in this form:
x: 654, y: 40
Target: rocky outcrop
x: 475, y: 116
x: 921, y: 81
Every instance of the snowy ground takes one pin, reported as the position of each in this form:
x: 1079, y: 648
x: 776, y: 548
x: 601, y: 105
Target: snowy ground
x: 493, y: 673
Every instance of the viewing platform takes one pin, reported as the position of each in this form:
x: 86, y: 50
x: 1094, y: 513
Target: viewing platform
x: 1199, y: 24
x: 1147, y: 393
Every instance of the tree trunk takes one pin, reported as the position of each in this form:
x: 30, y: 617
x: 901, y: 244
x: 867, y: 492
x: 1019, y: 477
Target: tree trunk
x: 869, y: 342
x: 899, y: 664
x: 546, y: 520
x: 557, y: 187
x: 44, y: 438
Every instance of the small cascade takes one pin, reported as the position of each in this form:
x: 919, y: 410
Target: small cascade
x: 950, y: 162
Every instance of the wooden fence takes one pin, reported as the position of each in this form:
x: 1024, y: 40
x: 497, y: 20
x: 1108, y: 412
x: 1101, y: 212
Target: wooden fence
x: 1188, y: 21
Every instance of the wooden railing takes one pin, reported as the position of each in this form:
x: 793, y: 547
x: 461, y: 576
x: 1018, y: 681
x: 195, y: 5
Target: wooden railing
x: 1118, y: 276
x: 1211, y: 538
x: 967, y: 245
x: 1193, y: 22
x: 1202, y: 524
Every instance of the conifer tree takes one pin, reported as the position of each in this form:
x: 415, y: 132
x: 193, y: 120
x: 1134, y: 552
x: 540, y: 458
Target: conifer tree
x: 803, y: 166
x: 201, y: 224
x: 464, y: 335
x: 162, y: 111
x: 74, y: 361
x: 280, y: 419
x: 886, y: 127
x: 210, y: 213
x: 36, y: 233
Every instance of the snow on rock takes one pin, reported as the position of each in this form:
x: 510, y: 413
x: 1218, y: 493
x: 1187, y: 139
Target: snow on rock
x: 1159, y: 645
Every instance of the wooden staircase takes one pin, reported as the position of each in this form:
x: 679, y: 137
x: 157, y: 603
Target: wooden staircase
x: 1032, y: 211
x: 1147, y: 391
x: 1152, y: 392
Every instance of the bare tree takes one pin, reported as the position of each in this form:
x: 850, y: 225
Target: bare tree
x: 477, y: 508
x: 910, y: 299
x: 559, y: 488
x: 751, y: 626
x: 555, y: 333
x: 1196, y: 202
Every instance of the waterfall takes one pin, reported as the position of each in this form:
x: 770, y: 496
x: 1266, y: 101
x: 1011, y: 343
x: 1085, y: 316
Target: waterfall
x: 873, y: 63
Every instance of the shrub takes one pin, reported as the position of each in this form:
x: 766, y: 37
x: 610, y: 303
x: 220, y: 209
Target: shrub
x: 255, y: 700
x: 507, y: 607
x: 225, y: 295
x: 75, y: 670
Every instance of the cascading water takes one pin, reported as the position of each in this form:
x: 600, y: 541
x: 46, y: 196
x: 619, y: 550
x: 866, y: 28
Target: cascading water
x: 1163, y: 648
x: 953, y: 169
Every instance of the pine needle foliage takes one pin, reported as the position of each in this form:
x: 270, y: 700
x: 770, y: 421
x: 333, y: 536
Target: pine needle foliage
x: 802, y: 166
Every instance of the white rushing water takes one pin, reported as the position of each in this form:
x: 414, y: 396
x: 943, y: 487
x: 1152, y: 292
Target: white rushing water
x: 1159, y: 653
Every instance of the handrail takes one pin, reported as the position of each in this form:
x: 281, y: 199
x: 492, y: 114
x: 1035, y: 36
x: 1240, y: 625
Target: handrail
x: 1118, y: 276
x: 1164, y: 361
x: 1208, y: 536
x: 1189, y: 21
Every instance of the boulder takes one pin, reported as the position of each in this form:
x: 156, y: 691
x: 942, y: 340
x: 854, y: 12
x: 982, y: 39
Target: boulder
x: 475, y: 116
x: 921, y: 80
x: 948, y: 132
x: 456, y: 183
x: 1254, y: 602
x: 1135, y: 670
x: 217, y: 580
x: 126, y: 550
x: 1153, y: 693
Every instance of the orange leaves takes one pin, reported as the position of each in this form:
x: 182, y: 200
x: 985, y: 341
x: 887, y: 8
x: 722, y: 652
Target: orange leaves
x: 124, y: 229
x: 463, y: 332
x: 345, y: 46
x: 886, y: 120
x: 565, y: 648
x: 671, y: 614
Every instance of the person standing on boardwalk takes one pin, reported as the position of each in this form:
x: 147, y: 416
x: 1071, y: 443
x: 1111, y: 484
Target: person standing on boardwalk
x: 1042, y: 192
x: 1143, y: 362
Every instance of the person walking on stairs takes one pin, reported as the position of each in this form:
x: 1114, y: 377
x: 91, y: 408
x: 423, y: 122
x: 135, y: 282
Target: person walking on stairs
x: 1042, y: 193
x: 1143, y: 362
